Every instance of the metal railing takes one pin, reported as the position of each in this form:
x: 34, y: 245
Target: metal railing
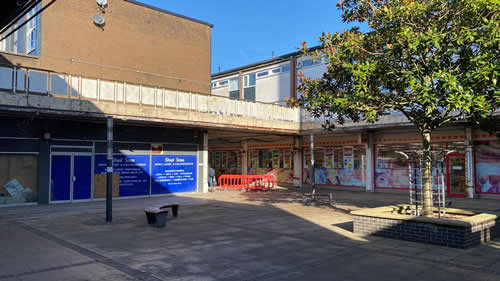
x: 33, y: 81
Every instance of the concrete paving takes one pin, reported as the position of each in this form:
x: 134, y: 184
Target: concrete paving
x: 227, y: 236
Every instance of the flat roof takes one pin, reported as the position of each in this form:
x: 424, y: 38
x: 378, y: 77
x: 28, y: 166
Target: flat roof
x: 260, y: 63
x: 168, y: 12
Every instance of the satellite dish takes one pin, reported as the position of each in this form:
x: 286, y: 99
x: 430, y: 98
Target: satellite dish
x: 98, y: 20
x: 102, y: 3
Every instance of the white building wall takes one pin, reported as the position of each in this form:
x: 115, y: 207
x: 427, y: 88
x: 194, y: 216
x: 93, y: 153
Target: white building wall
x: 274, y: 87
x: 222, y: 89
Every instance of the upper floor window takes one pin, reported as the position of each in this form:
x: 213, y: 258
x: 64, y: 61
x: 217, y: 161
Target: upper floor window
x: 249, y: 80
x: 31, y: 31
x: 234, y: 84
x: 249, y: 87
x: 285, y: 68
x: 234, y: 88
x: 307, y: 63
x: 23, y: 36
x: 276, y: 70
x: 262, y: 74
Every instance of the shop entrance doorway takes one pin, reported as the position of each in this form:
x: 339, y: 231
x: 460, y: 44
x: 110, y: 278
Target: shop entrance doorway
x: 70, y: 177
x: 455, y: 170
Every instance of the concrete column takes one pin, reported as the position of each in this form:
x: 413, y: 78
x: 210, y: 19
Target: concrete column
x: 244, y: 157
x: 44, y: 172
x: 297, y: 162
x: 370, y: 156
x: 204, y: 164
x: 469, y: 163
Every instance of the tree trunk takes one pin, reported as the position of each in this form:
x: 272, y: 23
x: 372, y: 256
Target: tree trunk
x: 427, y: 184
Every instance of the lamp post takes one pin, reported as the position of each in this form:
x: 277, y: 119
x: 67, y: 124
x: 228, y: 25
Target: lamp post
x: 109, y: 171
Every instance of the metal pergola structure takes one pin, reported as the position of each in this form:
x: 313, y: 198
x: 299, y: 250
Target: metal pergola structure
x: 416, y: 180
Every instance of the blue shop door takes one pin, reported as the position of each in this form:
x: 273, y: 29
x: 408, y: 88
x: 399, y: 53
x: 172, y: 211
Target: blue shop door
x: 60, y: 177
x: 82, y: 177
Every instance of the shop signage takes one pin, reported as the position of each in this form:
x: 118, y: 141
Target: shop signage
x: 287, y: 159
x: 254, y: 158
x: 173, y: 173
x: 276, y: 156
x: 348, y: 157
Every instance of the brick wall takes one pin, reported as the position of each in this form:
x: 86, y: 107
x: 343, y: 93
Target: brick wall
x: 444, y: 235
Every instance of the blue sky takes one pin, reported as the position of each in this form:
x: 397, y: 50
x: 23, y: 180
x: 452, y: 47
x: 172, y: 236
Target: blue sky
x: 249, y: 31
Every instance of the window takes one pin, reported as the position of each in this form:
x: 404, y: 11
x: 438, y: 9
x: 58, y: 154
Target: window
x: 249, y: 87
x: 234, y: 84
x: 276, y: 70
x: 307, y: 63
x: 213, y: 85
x: 262, y: 74
x: 223, y: 83
x: 18, y: 178
x: 249, y: 80
x: 31, y: 31
x: 488, y: 166
x: 285, y: 68
x: 344, y: 166
x: 249, y: 94
x: 234, y: 88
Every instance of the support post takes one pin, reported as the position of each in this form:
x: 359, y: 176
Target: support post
x: 469, y: 162
x: 244, y: 157
x: 369, y: 148
x: 313, y: 183
x: 297, y: 162
x: 109, y: 171
x: 44, y: 181
x: 205, y: 166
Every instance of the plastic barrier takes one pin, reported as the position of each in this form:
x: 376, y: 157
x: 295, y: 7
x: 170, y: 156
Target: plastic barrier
x: 262, y: 182
x: 233, y: 181
x: 254, y: 182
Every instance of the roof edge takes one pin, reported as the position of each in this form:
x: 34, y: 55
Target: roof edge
x: 260, y: 63
x: 168, y: 12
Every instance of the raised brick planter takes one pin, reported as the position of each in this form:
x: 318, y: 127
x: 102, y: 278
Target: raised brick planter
x: 462, y: 233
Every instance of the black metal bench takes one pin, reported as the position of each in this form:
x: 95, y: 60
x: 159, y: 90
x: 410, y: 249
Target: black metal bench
x: 158, y: 214
x: 317, y: 197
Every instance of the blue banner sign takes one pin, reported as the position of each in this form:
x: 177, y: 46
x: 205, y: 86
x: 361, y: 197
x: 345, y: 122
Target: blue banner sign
x: 173, y: 173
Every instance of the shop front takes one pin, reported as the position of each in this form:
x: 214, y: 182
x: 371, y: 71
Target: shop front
x: 272, y: 159
x: 448, y: 161
x: 487, y: 167
x: 338, y: 161
x: 68, y: 162
x: 225, y: 160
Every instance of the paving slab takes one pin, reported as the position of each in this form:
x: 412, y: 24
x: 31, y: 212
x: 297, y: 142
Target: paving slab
x: 225, y: 236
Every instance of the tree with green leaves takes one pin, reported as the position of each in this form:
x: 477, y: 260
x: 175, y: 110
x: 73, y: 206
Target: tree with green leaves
x: 435, y: 61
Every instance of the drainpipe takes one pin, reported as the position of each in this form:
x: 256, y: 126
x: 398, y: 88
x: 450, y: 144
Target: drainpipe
x: 242, y: 97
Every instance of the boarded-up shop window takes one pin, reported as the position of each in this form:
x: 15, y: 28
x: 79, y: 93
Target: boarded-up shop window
x: 18, y: 178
